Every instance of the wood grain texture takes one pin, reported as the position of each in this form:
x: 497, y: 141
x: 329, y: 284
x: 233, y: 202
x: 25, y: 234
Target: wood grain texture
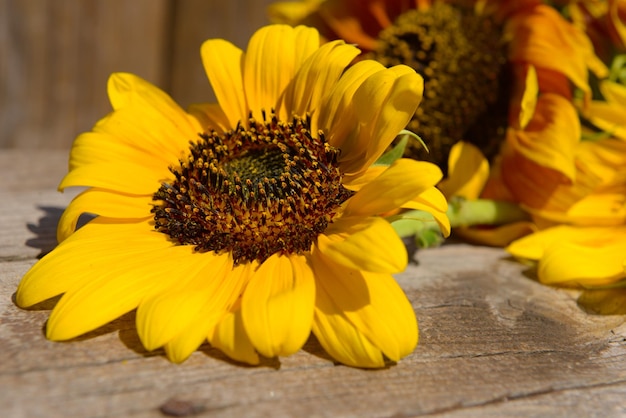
x: 56, y: 57
x: 493, y: 343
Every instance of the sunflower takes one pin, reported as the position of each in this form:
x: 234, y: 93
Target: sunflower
x: 578, y: 229
x: 249, y: 223
x: 474, y: 56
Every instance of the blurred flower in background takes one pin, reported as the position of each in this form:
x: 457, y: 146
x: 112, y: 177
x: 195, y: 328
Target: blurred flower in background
x: 529, y: 129
x: 251, y: 222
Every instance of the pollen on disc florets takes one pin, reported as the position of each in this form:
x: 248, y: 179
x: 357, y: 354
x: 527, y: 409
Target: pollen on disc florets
x: 262, y: 188
x: 461, y: 56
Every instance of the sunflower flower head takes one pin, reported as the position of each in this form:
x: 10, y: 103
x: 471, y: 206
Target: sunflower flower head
x: 461, y: 55
x: 252, y: 222
x: 474, y: 57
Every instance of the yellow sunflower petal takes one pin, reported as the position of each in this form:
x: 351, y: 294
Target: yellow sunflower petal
x: 123, y: 177
x: 468, y: 171
x: 103, y: 148
x: 593, y: 264
x: 608, y: 117
x: 534, y: 246
x: 271, y: 48
x: 189, y: 339
x: 103, y: 203
x: 343, y: 341
x: 160, y: 318
x: 613, y: 92
x: 337, y: 117
x: 99, y: 245
x: 128, y: 92
x: 551, y: 137
x: 211, y: 116
x: 223, y: 65
x: 230, y: 337
x: 277, y: 305
x: 599, y: 209
x: 357, y: 183
x: 384, y: 104
x: 315, y: 78
x: 102, y: 296
x: 307, y: 41
x: 369, y: 244
x: 403, y: 180
x: 203, y: 304
x: 373, y: 303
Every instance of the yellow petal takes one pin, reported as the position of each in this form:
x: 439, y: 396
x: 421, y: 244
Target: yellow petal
x: 357, y: 183
x: 600, y: 209
x: 213, y: 309
x: 613, y: 92
x: 122, y: 177
x: 110, y: 293
x: 369, y: 244
x: 534, y: 246
x: 384, y: 104
x: 211, y: 116
x: 529, y: 98
x: 277, y: 305
x: 343, y: 341
x: 609, y: 117
x: 230, y: 337
x: 189, y: 339
x: 103, y: 203
x: 103, y: 148
x: 129, y: 93
x: 271, y: 61
x: 468, y: 171
x: 551, y: 137
x: 163, y: 316
x: 99, y: 246
x: 373, y: 303
x: 223, y: 65
x: 593, y: 264
x: 315, y: 78
x: 402, y: 181
x: 337, y: 116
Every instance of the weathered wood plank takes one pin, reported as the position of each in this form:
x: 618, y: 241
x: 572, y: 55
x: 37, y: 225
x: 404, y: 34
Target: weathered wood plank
x: 494, y: 342
x: 56, y: 57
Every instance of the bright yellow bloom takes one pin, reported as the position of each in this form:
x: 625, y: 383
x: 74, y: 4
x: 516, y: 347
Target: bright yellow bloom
x: 583, y: 241
x: 249, y: 223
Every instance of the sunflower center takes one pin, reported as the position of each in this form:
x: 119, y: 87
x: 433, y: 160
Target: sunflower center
x: 461, y: 57
x: 271, y: 187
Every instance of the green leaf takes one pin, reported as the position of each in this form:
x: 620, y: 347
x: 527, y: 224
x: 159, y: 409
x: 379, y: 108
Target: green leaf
x: 420, y: 225
x: 393, y: 154
x: 396, y: 152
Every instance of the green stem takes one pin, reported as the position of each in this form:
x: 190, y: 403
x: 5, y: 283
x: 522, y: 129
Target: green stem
x: 461, y: 212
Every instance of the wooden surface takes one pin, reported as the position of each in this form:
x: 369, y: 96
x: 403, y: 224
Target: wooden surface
x: 493, y: 343
x: 56, y: 57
